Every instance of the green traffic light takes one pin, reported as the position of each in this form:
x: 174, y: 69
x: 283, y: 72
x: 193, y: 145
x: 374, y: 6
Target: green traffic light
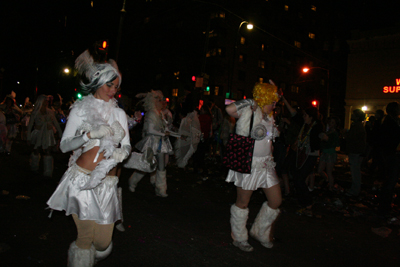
x: 208, y: 88
x: 79, y: 96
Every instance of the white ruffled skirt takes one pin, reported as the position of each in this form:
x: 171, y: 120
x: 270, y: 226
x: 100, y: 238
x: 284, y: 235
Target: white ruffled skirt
x: 159, y: 144
x: 99, y: 204
x: 43, y: 138
x: 263, y: 175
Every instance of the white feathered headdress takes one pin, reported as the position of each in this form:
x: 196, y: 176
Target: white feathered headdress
x: 97, y: 73
x: 150, y: 98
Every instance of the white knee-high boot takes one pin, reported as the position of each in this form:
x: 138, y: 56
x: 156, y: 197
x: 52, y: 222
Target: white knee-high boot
x: 161, y: 183
x: 238, y: 228
x: 48, y: 166
x: 34, y: 162
x: 78, y: 257
x: 261, y: 228
x: 134, y: 180
x: 153, y: 177
x: 101, y: 255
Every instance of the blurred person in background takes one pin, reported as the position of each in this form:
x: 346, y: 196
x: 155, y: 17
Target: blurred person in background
x: 40, y: 134
x: 13, y: 116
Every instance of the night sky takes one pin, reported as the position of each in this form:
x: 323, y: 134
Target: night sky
x: 40, y: 38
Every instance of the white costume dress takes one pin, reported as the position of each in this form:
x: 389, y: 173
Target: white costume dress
x: 154, y: 134
x: 263, y: 174
x: 184, y: 149
x: 92, y: 195
x: 43, y: 133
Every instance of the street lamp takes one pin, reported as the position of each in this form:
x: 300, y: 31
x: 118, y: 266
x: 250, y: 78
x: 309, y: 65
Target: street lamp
x: 306, y: 70
x: 249, y: 27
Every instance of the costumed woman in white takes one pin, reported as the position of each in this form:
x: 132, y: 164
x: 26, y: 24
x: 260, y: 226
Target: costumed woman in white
x: 43, y: 121
x: 185, y: 148
x: 97, y: 133
x: 262, y: 174
x: 155, y: 136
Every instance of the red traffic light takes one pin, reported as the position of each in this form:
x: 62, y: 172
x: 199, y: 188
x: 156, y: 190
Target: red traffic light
x: 193, y: 78
x: 314, y: 103
x: 167, y: 99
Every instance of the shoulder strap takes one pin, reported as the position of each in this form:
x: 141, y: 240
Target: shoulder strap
x: 251, y: 123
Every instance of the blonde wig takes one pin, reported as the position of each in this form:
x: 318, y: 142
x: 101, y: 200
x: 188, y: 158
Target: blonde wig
x: 265, y: 94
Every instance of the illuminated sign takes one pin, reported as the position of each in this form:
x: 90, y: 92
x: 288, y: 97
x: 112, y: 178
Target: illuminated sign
x: 392, y: 89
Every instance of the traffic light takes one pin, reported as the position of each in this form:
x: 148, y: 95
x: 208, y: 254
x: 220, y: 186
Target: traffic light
x: 193, y: 78
x: 78, y: 95
x: 208, y: 89
x: 103, y: 46
x: 314, y: 103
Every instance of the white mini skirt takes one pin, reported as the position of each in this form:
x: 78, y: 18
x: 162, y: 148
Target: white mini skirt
x: 99, y: 204
x: 263, y: 175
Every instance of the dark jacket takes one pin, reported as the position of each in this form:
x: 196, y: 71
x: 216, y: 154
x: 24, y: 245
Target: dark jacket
x: 356, y: 139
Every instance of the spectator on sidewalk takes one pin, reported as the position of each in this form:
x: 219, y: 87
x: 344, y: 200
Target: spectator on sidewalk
x: 217, y: 119
x: 389, y: 140
x: 356, y: 139
x: 13, y: 116
x: 328, y: 157
x: 307, y: 149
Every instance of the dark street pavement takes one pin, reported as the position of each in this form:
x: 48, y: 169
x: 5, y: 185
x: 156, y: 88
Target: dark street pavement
x: 191, y: 226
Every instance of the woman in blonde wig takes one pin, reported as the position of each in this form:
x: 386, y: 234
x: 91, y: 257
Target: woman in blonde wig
x: 262, y: 174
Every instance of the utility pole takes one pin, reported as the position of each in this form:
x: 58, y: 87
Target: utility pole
x: 121, y: 23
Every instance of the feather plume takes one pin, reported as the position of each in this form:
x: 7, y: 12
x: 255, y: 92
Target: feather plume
x: 141, y: 95
x: 85, y: 64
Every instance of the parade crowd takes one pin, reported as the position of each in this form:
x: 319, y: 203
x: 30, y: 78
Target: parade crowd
x: 290, y: 147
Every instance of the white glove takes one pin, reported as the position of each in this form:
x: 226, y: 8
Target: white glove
x: 103, y: 130
x: 122, y: 153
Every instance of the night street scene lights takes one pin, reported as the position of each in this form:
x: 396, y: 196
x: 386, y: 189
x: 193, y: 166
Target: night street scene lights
x: 249, y: 27
x: 306, y: 70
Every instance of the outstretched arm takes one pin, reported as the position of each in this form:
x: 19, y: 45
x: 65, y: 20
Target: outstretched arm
x: 235, y: 108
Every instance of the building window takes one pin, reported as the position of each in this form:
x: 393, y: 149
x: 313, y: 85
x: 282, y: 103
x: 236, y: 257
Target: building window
x: 242, y: 58
x: 294, y: 89
x: 297, y: 44
x: 262, y: 47
x: 176, y: 74
x: 260, y: 79
x: 242, y: 40
x: 216, y: 90
x: 175, y: 92
x: 286, y: 8
x: 313, y: 8
x: 311, y: 35
x: 261, y: 64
